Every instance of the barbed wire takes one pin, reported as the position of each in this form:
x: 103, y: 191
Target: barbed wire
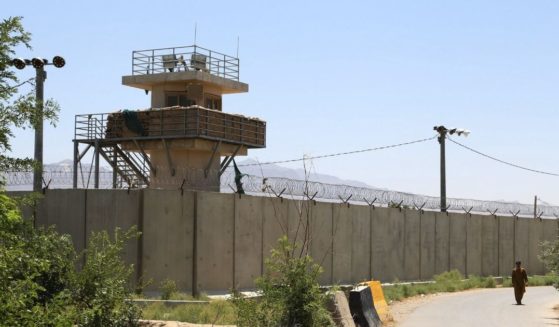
x: 299, y: 189
x: 351, y: 194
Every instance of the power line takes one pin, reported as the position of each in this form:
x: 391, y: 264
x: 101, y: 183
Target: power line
x: 341, y: 153
x: 502, y: 161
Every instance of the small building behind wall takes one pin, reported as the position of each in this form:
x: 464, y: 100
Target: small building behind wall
x: 179, y: 141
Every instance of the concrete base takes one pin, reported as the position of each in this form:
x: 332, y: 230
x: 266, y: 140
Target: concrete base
x: 362, y: 307
x: 339, y: 307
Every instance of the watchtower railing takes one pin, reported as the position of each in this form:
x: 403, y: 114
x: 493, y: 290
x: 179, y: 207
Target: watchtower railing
x: 168, y: 60
x: 172, y: 122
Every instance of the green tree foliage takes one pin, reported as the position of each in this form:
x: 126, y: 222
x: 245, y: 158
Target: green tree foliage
x: 168, y: 289
x: 290, y: 293
x: 550, y: 257
x: 35, y: 270
x: 101, y: 289
x: 39, y: 282
x: 17, y: 110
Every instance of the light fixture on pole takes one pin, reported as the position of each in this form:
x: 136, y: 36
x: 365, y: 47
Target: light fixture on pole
x: 40, y: 77
x: 442, y: 138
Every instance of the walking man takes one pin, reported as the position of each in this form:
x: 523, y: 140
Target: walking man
x: 519, y: 281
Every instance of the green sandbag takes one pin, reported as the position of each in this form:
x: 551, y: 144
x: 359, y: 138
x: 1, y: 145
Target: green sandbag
x: 132, y: 122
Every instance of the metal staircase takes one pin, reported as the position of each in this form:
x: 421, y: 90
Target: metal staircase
x: 131, y: 168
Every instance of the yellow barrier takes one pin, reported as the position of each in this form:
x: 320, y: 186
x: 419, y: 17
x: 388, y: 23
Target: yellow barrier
x: 378, y: 299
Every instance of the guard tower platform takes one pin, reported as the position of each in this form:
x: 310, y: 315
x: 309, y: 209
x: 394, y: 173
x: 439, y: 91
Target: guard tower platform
x: 178, y: 142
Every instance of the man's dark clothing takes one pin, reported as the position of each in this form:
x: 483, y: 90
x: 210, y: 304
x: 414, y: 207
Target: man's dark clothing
x: 519, y: 280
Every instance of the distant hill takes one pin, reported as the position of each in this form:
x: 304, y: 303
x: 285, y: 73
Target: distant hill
x: 252, y: 167
x: 248, y: 166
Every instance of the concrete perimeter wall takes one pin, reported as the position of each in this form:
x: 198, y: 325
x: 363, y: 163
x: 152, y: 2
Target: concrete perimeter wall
x: 209, y: 242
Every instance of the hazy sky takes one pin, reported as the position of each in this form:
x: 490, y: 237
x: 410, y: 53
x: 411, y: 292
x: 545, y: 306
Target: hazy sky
x: 337, y: 76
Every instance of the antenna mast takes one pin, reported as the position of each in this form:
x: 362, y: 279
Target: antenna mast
x: 237, y: 47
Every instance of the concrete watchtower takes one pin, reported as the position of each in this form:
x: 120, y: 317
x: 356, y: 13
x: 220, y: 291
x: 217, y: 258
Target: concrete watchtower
x: 179, y: 140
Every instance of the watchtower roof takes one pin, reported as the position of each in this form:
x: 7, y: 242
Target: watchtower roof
x: 183, y: 64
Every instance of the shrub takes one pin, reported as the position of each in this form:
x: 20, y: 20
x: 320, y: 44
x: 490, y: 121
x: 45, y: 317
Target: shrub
x: 550, y: 257
x: 546, y: 280
x: 168, y: 289
x: 290, y: 293
x: 216, y: 312
x: 39, y: 283
x: 101, y: 289
x: 393, y: 293
x: 407, y: 290
x: 35, y: 269
x: 452, y: 276
x: 488, y: 282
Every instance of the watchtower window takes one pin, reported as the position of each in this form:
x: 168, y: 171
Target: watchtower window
x: 212, y: 101
x: 179, y: 100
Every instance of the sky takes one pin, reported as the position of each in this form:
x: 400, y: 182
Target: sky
x: 331, y: 77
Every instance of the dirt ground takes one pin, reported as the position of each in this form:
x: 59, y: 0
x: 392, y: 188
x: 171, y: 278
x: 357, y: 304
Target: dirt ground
x: 159, y: 323
x: 401, y: 309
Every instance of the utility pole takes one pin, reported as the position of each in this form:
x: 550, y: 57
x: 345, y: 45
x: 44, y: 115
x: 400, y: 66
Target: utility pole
x: 442, y: 138
x: 535, y: 206
x: 41, y: 76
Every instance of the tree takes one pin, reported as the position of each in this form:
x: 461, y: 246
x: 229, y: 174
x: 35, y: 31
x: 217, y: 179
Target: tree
x: 550, y: 257
x: 39, y: 282
x: 16, y: 109
x: 35, y: 270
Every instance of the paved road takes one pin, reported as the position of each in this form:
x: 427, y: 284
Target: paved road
x: 488, y: 307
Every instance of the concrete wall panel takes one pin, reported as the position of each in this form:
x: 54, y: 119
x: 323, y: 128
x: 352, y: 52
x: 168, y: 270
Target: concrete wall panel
x: 442, y: 245
x: 111, y: 209
x: 521, y: 242
x: 167, y: 239
x: 427, y: 247
x: 549, y: 232
x: 248, y: 240
x: 342, y: 237
x: 361, y: 243
x: 412, y: 244
x: 66, y: 210
x: 215, y: 242
x: 274, y: 223
x: 458, y: 242
x: 298, y: 220
x: 388, y: 244
x: 490, y: 246
x: 550, y: 229
x: 506, y: 245
x: 234, y: 235
x: 534, y: 264
x: 474, y: 244
x: 321, y: 238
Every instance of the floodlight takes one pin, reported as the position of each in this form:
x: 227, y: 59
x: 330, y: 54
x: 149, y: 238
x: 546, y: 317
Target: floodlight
x: 459, y: 131
x: 38, y: 62
x: 58, y: 62
x: 18, y: 63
